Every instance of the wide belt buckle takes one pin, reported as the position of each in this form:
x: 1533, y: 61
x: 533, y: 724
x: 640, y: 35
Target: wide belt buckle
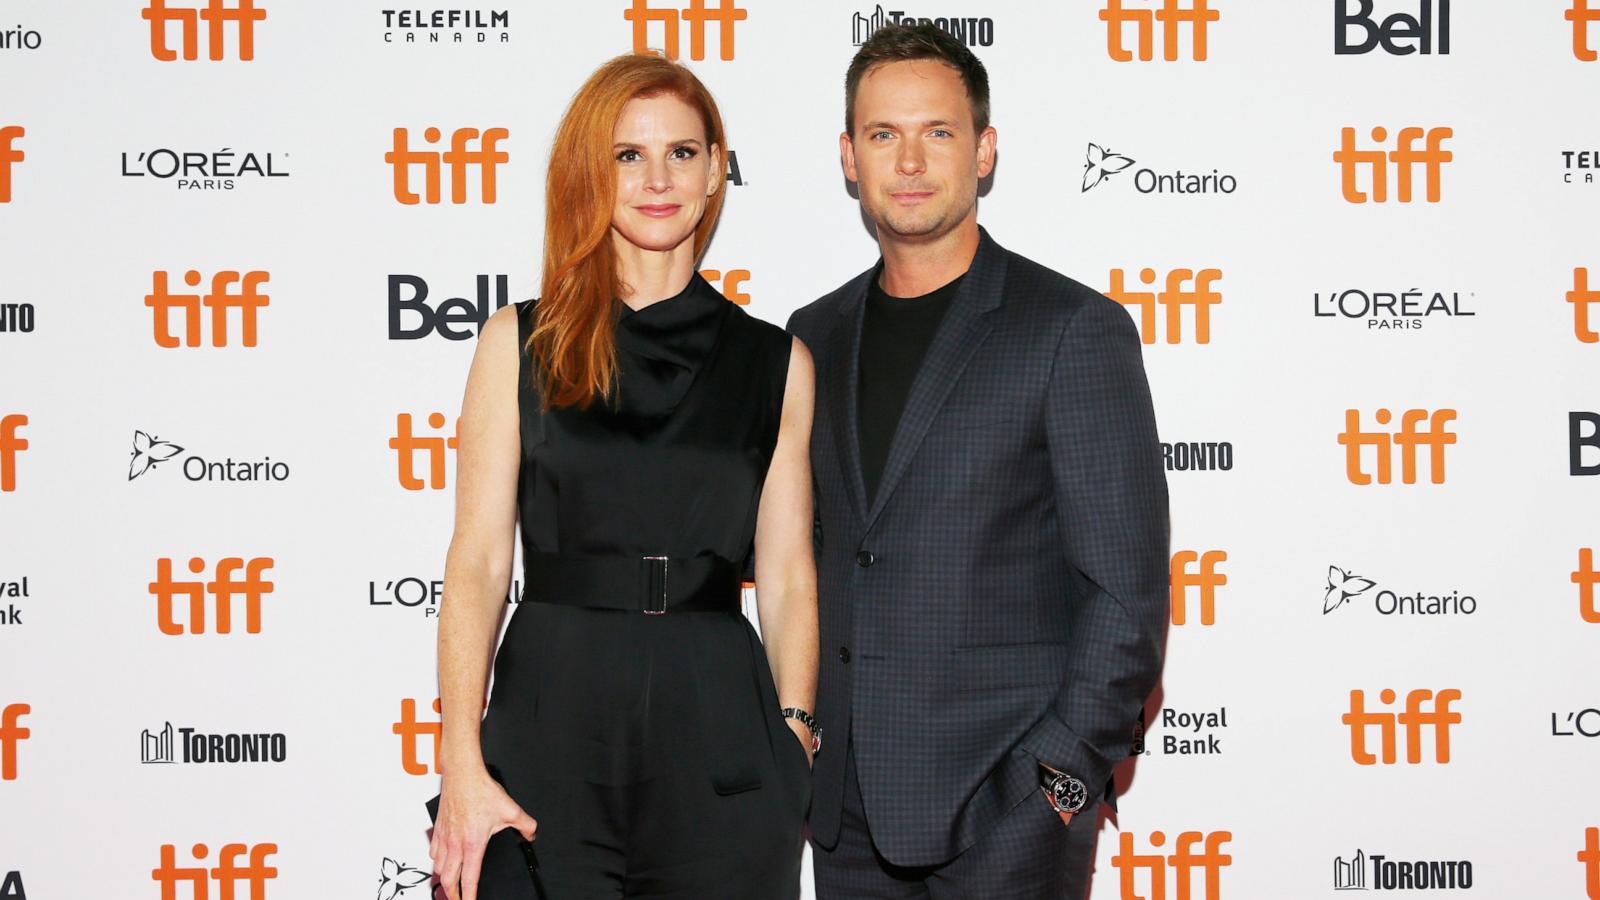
x: 655, y: 590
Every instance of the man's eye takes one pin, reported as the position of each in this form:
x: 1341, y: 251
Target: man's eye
x: 941, y: 132
x: 881, y: 134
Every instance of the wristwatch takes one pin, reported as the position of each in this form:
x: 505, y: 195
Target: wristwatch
x: 810, y: 722
x: 1067, y: 794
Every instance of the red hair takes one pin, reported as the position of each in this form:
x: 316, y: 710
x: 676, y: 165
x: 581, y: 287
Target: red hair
x: 572, y: 343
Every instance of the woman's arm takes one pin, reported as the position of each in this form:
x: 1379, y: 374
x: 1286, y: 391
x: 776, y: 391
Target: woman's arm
x: 786, y: 573
x: 477, y: 574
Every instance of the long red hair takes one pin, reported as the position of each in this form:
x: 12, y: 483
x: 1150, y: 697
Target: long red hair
x: 572, y: 342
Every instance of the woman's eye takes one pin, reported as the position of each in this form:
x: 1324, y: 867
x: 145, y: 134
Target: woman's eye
x: 684, y: 153
x: 627, y: 156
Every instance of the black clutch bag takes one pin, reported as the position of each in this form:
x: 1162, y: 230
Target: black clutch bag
x: 501, y: 838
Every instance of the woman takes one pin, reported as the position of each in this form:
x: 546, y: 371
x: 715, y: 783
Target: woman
x: 649, y: 436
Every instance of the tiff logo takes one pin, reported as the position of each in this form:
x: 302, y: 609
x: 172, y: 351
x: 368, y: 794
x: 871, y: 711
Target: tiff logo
x: 410, y: 730
x: 1589, y: 856
x: 1352, y: 875
x: 1582, y: 16
x: 401, y: 157
x: 1172, y: 14
x: 223, y: 588
x: 1173, y: 299
x: 697, y: 15
x: 1414, y: 718
x: 227, y: 873
x: 1405, y: 157
x: 1585, y: 577
x: 1581, y: 297
x: 1183, y: 862
x: 12, y: 734
x: 248, y: 301
x: 216, y: 14
x: 1207, y: 579
x: 731, y: 281
x: 407, y: 445
x: 10, y: 154
x: 10, y: 446
x: 1400, y: 34
x: 1409, y: 438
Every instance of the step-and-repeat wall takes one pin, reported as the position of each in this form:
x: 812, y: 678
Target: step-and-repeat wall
x: 245, y: 249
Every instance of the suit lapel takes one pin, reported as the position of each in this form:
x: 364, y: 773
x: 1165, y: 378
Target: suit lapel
x: 958, y: 337
x: 843, y: 397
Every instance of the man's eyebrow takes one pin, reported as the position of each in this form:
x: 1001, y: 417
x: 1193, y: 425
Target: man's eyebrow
x: 891, y: 126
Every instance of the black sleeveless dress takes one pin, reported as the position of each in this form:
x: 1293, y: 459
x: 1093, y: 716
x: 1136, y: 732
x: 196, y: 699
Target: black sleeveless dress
x: 650, y: 748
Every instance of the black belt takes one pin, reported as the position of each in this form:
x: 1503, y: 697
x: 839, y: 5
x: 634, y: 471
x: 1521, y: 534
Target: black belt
x: 650, y: 584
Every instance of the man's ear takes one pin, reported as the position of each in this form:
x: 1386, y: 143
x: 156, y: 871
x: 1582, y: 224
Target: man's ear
x: 847, y: 155
x: 986, y: 151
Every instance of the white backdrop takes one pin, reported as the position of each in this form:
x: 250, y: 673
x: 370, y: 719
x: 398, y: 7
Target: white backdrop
x: 85, y: 668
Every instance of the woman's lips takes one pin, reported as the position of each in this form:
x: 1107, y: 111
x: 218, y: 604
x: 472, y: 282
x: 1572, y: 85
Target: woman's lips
x: 659, y: 210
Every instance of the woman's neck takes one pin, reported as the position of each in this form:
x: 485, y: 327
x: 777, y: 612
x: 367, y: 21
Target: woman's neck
x: 652, y: 275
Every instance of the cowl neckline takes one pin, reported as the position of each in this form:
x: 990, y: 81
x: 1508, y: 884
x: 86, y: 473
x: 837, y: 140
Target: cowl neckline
x: 661, y: 348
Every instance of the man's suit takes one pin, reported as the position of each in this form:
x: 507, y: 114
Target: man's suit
x: 1002, y: 600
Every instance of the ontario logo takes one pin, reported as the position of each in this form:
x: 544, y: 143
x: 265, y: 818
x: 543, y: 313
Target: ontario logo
x: 150, y: 452
x: 396, y: 878
x: 1345, y: 585
x: 1100, y: 164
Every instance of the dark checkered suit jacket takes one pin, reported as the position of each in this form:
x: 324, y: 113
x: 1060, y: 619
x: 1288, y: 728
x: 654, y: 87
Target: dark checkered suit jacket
x: 1003, y: 600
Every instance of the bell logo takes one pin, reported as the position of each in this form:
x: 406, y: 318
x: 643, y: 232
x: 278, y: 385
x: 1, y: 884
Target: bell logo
x: 731, y: 282
x: 1183, y: 862
x: 725, y: 15
x: 1590, y: 857
x: 216, y: 14
x: 223, y: 588
x: 10, y: 446
x: 11, y: 734
x: 1583, y: 433
x: 1395, y: 33
x: 1173, y: 13
x: 1581, y: 17
x: 1409, y: 438
x: 227, y: 872
x: 1207, y: 579
x: 1416, y: 715
x: 248, y: 301
x: 407, y: 446
x: 410, y: 730
x: 1585, y: 577
x: 1581, y: 297
x: 1173, y: 299
x: 1405, y: 158
x: 458, y: 158
x: 9, y: 154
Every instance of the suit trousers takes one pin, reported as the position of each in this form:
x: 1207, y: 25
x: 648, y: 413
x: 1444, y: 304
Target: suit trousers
x: 1028, y: 855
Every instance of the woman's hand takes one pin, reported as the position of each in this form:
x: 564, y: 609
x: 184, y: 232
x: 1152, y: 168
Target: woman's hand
x: 472, y: 807
x: 804, y: 734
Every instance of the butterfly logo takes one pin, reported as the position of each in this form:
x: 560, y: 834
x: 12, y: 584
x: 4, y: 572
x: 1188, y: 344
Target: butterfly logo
x: 1102, y: 164
x: 1341, y: 587
x: 397, y: 878
x: 147, y: 452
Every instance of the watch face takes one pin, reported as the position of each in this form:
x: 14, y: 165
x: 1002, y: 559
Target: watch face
x: 1067, y: 793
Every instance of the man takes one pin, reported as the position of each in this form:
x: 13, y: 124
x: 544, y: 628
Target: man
x: 991, y: 519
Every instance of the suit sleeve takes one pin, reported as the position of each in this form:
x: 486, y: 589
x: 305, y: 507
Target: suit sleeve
x: 1111, y: 497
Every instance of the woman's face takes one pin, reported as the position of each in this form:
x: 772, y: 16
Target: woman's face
x: 665, y: 172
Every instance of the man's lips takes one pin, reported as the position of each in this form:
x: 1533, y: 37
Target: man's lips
x: 910, y: 196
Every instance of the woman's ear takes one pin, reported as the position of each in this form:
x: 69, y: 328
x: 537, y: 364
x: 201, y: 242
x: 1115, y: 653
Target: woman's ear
x: 719, y: 172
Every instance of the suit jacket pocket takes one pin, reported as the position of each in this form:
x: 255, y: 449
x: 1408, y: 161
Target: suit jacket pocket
x: 1000, y: 666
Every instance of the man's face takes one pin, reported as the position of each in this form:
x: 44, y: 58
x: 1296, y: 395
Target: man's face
x: 915, y: 155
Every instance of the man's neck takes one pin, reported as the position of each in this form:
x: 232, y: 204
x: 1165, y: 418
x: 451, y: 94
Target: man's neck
x: 912, y: 268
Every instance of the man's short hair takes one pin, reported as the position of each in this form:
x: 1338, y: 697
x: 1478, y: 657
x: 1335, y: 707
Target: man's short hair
x: 898, y: 42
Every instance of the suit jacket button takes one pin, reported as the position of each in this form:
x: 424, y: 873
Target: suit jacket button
x: 865, y: 558
x: 844, y: 654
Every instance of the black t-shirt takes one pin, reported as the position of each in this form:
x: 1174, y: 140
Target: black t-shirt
x: 894, y: 338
